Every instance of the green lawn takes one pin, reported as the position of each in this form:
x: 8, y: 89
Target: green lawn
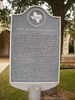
x: 7, y: 92
x: 67, y: 79
x: 71, y: 54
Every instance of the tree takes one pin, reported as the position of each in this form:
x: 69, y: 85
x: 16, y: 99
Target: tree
x: 5, y: 18
x: 71, y: 23
x: 59, y: 8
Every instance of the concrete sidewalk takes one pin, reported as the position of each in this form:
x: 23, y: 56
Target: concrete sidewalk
x: 4, y: 62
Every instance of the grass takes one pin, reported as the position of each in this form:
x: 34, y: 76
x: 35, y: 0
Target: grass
x: 7, y: 92
x: 67, y: 66
x: 71, y: 54
x: 67, y: 80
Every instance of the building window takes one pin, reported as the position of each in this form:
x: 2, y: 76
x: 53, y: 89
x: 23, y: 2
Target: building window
x: 71, y: 46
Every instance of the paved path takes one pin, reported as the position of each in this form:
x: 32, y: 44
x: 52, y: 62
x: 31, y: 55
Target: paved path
x: 4, y: 62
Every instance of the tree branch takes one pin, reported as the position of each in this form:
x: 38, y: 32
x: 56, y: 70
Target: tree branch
x: 68, y: 5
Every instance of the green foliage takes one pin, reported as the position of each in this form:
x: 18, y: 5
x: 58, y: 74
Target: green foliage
x: 5, y: 18
x: 18, y: 6
x: 70, y: 24
x: 72, y: 28
x: 49, y: 9
x: 21, y: 5
x: 66, y: 66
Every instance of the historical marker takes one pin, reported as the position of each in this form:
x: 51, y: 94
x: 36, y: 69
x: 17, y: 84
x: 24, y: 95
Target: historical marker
x: 35, y: 49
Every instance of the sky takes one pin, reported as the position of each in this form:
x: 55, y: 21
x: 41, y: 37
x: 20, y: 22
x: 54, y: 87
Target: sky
x: 5, y: 3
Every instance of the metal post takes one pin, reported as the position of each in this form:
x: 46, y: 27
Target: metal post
x: 34, y: 93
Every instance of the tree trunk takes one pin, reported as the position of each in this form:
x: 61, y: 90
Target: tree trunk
x: 57, y: 11
x: 49, y: 92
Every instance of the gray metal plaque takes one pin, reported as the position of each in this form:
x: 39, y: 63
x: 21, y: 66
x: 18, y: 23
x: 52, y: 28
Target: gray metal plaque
x: 35, y: 47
